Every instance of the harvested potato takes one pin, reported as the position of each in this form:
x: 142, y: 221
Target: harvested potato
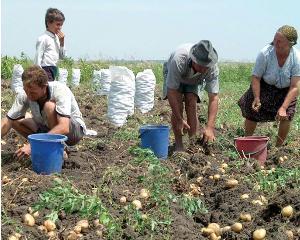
x: 29, y: 210
x: 77, y: 229
x: 123, y: 199
x: 214, y: 236
x: 287, y: 211
x: 99, y: 233
x: 137, y: 204
x: 72, y: 236
x: 237, y: 227
x: 224, y: 165
x: 17, y: 235
x: 24, y: 179
x: 217, y: 177
x: 12, y: 237
x: 42, y: 229
x: 96, y: 222
x: 144, y: 193
x: 49, y: 225
x: 207, y: 231
x: 51, y: 234
x: 84, y: 224
x: 5, y: 179
x: 244, y: 196
x: 259, y: 234
x: 257, y: 202
x: 289, y: 234
x: 225, y: 229
x: 36, y: 214
x: 199, y: 179
x: 215, y: 227
x: 245, y: 217
x: 231, y: 183
x: 29, y: 220
x: 263, y: 199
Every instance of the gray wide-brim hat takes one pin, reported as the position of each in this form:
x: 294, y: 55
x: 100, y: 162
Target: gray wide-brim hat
x: 204, y: 54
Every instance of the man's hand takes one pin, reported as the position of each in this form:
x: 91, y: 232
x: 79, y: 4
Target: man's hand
x: 182, y: 126
x: 256, y: 104
x: 281, y: 114
x: 208, y: 135
x: 61, y: 37
x: 24, y: 151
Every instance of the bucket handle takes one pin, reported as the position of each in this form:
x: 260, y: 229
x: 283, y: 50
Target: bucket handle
x: 252, y: 153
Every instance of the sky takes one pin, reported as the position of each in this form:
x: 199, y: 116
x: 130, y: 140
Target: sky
x: 148, y: 30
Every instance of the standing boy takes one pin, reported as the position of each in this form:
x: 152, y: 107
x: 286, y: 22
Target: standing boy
x: 50, y: 45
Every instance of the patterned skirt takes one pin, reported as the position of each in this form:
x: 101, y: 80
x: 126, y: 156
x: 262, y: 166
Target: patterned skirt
x: 271, y: 99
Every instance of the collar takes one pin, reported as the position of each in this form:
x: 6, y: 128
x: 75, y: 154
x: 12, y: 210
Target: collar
x: 50, y: 34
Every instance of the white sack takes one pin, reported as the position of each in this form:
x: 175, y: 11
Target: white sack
x: 121, y: 95
x: 16, y: 81
x: 144, y: 90
x: 96, y: 81
x: 75, y: 76
x: 105, y: 80
x: 63, y: 75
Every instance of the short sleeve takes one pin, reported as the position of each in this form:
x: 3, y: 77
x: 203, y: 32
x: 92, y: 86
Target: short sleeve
x: 260, y: 65
x: 63, y: 100
x: 296, y: 66
x: 173, y: 77
x: 212, y: 81
x: 40, y: 49
x: 19, y: 107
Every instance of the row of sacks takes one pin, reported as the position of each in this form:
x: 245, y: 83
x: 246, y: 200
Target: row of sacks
x: 127, y: 92
x: 17, y: 84
x: 123, y: 89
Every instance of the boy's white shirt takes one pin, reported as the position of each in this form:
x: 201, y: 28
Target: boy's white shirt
x: 48, y: 50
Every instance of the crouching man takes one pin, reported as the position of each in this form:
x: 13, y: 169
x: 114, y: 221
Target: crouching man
x: 53, y: 108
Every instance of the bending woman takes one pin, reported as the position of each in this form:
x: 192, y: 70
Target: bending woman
x: 273, y: 92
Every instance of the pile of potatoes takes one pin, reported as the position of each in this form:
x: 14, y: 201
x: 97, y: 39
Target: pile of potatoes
x: 214, y: 232
x: 144, y: 194
x: 49, y: 227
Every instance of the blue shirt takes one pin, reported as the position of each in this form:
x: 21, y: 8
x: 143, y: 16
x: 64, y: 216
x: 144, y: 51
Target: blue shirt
x: 266, y: 67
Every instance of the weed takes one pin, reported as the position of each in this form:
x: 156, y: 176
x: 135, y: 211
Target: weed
x: 158, y: 182
x: 192, y: 205
x: 270, y: 181
x: 95, y: 144
x: 126, y: 134
x: 62, y: 196
x: 6, y: 220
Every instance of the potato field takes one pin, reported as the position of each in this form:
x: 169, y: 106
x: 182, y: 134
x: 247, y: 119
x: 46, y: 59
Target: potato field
x: 111, y: 188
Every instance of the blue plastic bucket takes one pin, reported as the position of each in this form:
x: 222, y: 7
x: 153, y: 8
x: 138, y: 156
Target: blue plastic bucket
x: 155, y: 137
x: 47, y: 152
